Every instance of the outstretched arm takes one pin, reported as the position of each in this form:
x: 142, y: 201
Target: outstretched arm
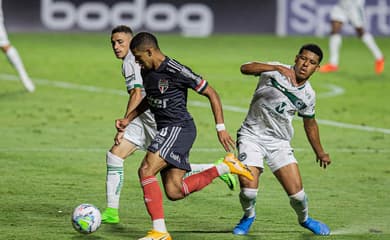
x: 256, y: 68
x: 224, y: 138
x: 313, y: 135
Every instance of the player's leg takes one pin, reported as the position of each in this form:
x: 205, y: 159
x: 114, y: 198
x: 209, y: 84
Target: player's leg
x: 290, y: 178
x: 14, y: 58
x: 133, y: 138
x: 229, y: 179
x: 153, y: 198
x: 357, y: 19
x: 338, y: 16
x: 335, y: 41
x: 248, y: 196
x: 370, y: 43
x: 251, y: 154
x: 115, y: 178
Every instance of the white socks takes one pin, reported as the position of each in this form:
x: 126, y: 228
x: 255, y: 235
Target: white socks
x: 369, y: 41
x: 248, y: 201
x: 335, y: 41
x: 14, y: 58
x: 159, y: 225
x: 299, y: 203
x: 114, y: 180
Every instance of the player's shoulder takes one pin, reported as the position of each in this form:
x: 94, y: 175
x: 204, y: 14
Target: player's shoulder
x: 175, y: 67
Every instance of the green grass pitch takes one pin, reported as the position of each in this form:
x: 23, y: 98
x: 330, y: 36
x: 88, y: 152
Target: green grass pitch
x: 53, y: 142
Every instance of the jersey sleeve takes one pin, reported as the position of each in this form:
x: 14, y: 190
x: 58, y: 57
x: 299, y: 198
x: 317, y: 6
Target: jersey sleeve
x: 194, y: 81
x: 131, y: 73
x: 188, y: 78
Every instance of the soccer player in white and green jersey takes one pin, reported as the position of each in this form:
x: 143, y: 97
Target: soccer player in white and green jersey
x: 139, y: 133
x: 267, y: 130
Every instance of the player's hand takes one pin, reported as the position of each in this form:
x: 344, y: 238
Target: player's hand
x: 226, y: 140
x: 324, y: 160
x: 289, y: 74
x: 121, y: 124
x: 118, y: 137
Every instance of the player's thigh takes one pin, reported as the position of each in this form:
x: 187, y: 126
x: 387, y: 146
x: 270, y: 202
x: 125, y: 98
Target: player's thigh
x: 124, y: 149
x: 138, y: 133
x: 290, y: 178
x: 356, y: 17
x: 151, y: 165
x: 338, y: 14
x: 252, y: 154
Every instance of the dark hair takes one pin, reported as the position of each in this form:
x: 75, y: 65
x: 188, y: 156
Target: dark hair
x: 312, y: 48
x: 143, y: 40
x: 122, y: 28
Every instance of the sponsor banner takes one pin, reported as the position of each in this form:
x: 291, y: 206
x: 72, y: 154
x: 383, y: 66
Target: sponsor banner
x: 312, y: 17
x: 197, y: 18
x: 188, y: 17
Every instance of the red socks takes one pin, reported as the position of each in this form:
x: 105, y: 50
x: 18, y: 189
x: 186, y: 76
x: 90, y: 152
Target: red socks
x: 198, y: 181
x: 153, y: 197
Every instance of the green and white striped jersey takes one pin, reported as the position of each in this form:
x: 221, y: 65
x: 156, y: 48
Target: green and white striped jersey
x: 274, y: 104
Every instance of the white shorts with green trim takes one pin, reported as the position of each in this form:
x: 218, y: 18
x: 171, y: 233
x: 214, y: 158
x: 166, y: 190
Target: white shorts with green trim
x: 277, y: 153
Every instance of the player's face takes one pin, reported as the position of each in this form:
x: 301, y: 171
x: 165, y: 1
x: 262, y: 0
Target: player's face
x: 120, y: 43
x: 143, y: 58
x: 306, y: 64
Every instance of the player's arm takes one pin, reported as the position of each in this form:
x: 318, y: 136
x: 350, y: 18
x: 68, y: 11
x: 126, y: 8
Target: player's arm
x: 135, y: 97
x: 224, y: 138
x: 121, y: 124
x: 313, y: 135
x: 257, y: 68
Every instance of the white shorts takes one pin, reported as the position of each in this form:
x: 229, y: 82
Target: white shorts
x: 3, y: 35
x: 141, y: 131
x: 277, y: 153
x: 353, y: 14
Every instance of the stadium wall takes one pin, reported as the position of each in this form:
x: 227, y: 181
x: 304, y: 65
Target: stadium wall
x: 188, y: 17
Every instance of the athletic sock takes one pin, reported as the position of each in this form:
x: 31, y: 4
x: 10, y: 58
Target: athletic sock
x: 248, y: 201
x: 154, y: 202
x: 198, y: 181
x: 369, y: 41
x: 335, y: 41
x: 114, y: 179
x: 16, y: 61
x: 299, y: 203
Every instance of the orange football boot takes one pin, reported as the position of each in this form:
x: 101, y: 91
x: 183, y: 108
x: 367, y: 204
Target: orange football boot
x: 329, y: 68
x: 379, y: 65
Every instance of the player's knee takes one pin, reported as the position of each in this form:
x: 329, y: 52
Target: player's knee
x: 298, y: 197
x: 174, y: 194
x: 248, y: 193
x: 5, y: 48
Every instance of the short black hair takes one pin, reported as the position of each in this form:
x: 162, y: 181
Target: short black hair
x: 122, y: 28
x: 144, y: 39
x: 312, y: 48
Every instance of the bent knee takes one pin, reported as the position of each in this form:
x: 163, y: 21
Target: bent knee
x: 175, y: 196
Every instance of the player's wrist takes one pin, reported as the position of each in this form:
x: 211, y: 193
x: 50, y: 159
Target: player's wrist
x: 220, y: 127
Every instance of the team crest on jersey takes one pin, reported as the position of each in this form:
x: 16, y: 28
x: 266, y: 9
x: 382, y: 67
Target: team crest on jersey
x: 163, y: 85
x: 242, y: 156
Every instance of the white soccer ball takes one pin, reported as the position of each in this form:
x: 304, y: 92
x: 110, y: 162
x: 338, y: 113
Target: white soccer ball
x: 86, y: 218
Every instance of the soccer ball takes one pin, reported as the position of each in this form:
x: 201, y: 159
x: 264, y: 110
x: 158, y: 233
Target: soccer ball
x: 86, y: 218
